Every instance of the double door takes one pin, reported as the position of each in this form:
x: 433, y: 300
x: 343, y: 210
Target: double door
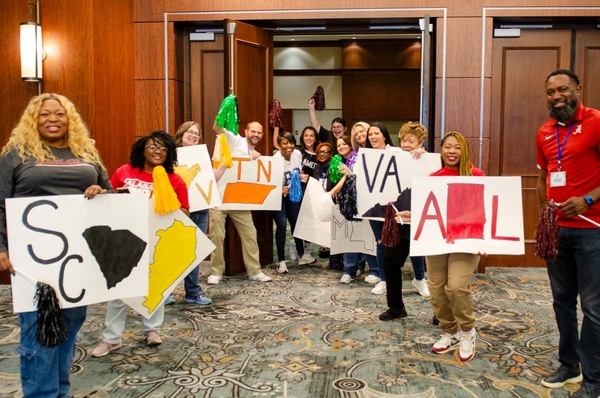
x: 520, y: 67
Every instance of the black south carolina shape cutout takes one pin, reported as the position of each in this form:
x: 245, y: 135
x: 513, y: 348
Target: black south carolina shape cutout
x: 117, y: 252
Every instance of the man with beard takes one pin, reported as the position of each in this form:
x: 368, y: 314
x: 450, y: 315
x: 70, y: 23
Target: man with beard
x: 568, y: 156
x: 242, y: 219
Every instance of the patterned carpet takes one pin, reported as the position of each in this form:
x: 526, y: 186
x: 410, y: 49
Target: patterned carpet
x: 306, y: 335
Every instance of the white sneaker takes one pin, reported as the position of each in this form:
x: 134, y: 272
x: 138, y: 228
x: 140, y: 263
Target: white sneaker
x: 372, y: 279
x: 306, y: 259
x: 422, y: 287
x: 293, y: 251
x: 358, y: 272
x: 380, y: 288
x: 467, y: 345
x: 260, y: 277
x: 282, y: 268
x: 213, y: 280
x: 446, y: 343
x: 346, y: 279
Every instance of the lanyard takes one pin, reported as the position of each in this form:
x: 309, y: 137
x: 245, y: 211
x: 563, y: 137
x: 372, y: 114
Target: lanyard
x: 561, y: 148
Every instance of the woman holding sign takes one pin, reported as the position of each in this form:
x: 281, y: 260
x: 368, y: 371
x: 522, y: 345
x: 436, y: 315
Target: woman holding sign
x: 138, y: 176
x: 378, y: 137
x: 290, y: 201
x: 450, y: 274
x: 190, y: 134
x: 49, y: 152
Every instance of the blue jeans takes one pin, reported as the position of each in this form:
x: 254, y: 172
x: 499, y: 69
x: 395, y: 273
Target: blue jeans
x: 192, y: 286
x: 418, y: 264
x: 45, y: 371
x: 289, y: 211
x: 352, y: 261
x: 576, y: 271
x: 377, y: 227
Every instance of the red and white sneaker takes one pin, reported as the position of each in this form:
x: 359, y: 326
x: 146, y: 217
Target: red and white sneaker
x: 446, y: 343
x: 467, y: 345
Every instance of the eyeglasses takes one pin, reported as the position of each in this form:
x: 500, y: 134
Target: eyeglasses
x: 192, y: 132
x: 154, y: 148
x: 323, y: 152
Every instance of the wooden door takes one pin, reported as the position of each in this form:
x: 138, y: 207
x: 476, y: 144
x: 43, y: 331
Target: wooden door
x: 520, y: 66
x: 587, y: 65
x: 206, y: 80
x: 249, y: 75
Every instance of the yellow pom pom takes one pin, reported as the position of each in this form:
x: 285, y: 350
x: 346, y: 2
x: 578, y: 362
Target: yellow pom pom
x: 222, y: 152
x: 164, y: 196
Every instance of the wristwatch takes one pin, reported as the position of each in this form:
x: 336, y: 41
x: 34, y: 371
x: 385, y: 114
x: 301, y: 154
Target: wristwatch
x: 589, y: 200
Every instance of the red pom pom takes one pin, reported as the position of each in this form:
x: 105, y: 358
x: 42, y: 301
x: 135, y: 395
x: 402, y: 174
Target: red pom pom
x: 546, y: 233
x: 390, y: 236
x: 319, y: 98
x: 275, y: 114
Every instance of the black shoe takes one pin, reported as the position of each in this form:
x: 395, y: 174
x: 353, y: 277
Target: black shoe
x: 562, y: 376
x: 587, y: 390
x: 393, y: 313
x: 435, y: 321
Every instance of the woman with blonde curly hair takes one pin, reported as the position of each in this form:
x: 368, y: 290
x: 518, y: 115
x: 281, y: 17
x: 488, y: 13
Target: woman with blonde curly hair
x: 49, y: 152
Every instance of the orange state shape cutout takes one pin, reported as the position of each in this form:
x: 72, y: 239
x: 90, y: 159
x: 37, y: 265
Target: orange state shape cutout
x: 247, y: 193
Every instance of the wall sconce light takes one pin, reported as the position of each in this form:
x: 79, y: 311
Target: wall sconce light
x: 31, y: 46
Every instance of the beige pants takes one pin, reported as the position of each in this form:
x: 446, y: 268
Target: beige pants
x: 449, y: 276
x: 242, y: 219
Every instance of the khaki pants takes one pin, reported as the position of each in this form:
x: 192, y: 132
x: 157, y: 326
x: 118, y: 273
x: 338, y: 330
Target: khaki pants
x: 242, y: 219
x: 449, y: 276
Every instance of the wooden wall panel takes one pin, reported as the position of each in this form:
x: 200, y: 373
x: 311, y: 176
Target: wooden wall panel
x: 14, y: 93
x: 385, y: 54
x: 114, y: 126
x: 462, y: 113
x: 149, y: 50
x: 69, y: 65
x: 463, y: 46
x: 149, y: 106
x: 381, y: 95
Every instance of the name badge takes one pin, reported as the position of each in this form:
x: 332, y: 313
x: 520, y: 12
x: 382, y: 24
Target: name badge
x: 558, y: 179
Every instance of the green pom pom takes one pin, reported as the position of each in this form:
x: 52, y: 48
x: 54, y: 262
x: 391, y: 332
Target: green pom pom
x: 334, y: 169
x: 228, y: 117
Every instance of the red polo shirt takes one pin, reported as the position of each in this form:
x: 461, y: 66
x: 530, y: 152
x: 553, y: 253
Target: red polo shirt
x: 580, y: 161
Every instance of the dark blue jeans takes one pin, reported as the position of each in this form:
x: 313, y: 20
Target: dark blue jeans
x: 45, y: 371
x: 377, y: 227
x: 576, y: 271
x: 191, y: 283
x: 352, y: 262
x: 289, y: 212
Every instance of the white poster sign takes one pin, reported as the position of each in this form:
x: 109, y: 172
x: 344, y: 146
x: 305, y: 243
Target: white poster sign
x: 351, y: 236
x: 466, y: 215
x: 382, y: 175
x: 308, y: 226
x: 177, y: 246
x: 252, y: 184
x: 89, y: 251
x: 195, y: 168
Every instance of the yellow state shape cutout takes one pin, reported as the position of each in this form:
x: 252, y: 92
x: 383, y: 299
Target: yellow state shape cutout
x: 186, y: 174
x: 174, y: 253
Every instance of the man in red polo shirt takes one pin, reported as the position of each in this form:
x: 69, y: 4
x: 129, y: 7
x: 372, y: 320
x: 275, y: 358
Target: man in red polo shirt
x: 568, y: 156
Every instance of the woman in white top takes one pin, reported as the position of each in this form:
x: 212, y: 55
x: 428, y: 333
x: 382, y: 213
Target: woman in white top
x: 290, y: 205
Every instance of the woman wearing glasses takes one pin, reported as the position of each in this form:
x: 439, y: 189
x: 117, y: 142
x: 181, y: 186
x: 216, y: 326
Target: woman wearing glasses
x: 190, y: 134
x: 156, y: 149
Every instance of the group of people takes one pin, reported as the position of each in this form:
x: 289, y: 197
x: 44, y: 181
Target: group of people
x: 50, y: 152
